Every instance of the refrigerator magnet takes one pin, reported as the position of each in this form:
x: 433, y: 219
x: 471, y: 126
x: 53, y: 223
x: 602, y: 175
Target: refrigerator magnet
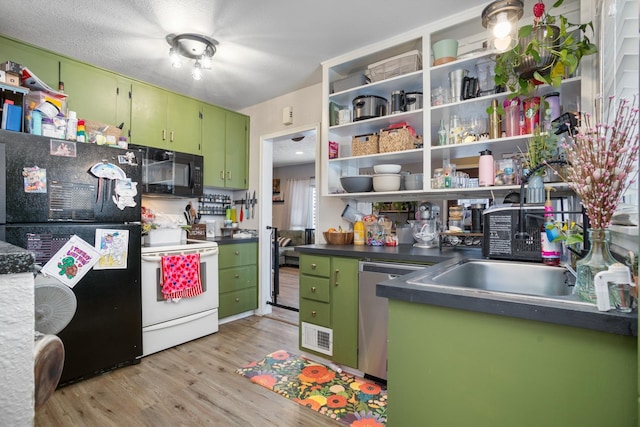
x: 35, y: 179
x: 112, y: 245
x: 72, y: 261
x: 62, y: 148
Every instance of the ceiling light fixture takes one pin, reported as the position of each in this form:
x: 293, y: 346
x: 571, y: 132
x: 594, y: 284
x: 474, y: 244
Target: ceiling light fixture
x: 500, y: 19
x: 191, y: 46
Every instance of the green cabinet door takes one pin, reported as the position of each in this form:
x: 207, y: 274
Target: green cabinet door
x: 40, y: 62
x: 336, y: 307
x: 123, y: 105
x: 183, y: 124
x: 225, y: 147
x: 213, y: 145
x: 344, y: 310
x: 237, y: 150
x: 149, y: 107
x: 93, y: 93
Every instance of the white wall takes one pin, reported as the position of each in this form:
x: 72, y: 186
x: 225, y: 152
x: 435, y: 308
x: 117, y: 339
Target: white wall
x: 266, y: 119
x: 285, y: 173
x: 16, y: 342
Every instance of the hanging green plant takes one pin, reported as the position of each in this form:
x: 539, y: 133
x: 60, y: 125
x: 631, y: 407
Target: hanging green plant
x: 547, y: 50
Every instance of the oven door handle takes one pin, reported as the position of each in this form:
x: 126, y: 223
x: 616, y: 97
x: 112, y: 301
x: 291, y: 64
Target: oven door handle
x: 203, y: 254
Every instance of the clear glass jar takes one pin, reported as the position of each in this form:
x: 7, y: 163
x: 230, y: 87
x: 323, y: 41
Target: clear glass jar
x: 598, y: 259
x: 438, y: 176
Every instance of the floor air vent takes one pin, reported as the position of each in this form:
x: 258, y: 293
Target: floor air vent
x: 317, y: 338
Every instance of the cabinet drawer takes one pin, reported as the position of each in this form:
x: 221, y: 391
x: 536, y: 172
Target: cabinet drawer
x: 316, y: 312
x: 237, y: 302
x: 237, y: 254
x: 315, y: 288
x: 315, y: 265
x: 232, y: 279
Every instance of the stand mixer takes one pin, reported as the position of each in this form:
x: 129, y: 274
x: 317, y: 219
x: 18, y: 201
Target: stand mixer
x: 426, y: 226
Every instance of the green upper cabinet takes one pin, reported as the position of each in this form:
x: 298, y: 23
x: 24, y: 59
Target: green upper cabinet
x: 96, y: 94
x: 149, y: 115
x: 42, y: 63
x: 225, y: 147
x: 163, y: 119
x: 183, y: 122
x: 237, y: 152
x: 213, y: 145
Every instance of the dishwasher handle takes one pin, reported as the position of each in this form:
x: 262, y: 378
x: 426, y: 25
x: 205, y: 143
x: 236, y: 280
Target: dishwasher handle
x: 395, y: 270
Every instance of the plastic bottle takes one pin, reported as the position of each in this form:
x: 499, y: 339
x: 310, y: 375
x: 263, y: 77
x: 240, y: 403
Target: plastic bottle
x: 486, y: 173
x: 550, y: 250
x: 358, y: 231
x: 72, y: 126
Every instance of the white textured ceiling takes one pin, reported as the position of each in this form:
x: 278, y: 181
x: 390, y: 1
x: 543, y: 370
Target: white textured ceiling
x: 266, y: 47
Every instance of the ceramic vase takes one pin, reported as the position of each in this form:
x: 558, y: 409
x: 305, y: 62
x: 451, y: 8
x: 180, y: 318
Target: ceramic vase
x: 598, y: 259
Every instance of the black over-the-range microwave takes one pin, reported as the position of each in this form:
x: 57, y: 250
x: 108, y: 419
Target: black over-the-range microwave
x: 171, y: 173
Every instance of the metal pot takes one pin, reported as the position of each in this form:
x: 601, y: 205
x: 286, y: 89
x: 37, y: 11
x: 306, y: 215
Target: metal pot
x: 528, y: 64
x: 368, y: 107
x: 413, y: 101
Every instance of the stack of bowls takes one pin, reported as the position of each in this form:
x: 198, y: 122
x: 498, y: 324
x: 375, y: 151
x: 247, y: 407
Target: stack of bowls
x: 386, y: 178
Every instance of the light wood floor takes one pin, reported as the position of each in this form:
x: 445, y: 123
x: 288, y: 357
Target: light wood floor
x: 289, y: 292
x: 195, y: 383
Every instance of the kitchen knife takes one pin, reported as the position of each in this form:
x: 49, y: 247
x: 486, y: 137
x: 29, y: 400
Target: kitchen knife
x: 253, y: 204
x: 246, y: 204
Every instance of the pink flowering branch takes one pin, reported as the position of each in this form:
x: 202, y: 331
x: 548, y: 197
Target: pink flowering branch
x: 601, y: 160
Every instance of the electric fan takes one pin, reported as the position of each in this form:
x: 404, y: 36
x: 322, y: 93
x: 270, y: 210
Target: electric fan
x: 55, y: 305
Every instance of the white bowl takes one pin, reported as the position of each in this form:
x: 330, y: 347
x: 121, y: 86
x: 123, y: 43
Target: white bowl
x: 384, y: 169
x: 386, y: 182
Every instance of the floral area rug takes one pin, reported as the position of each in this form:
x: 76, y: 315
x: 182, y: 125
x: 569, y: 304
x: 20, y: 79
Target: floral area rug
x: 351, y: 400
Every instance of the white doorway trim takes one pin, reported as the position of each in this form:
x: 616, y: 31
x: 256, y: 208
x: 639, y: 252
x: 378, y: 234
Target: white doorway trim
x: 265, y: 207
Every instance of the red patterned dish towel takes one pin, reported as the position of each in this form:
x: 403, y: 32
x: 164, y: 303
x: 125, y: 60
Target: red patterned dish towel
x: 181, y: 276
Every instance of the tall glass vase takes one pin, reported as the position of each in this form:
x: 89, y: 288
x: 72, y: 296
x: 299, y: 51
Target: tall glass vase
x: 598, y: 259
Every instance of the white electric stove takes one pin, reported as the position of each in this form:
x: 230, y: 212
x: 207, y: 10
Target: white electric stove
x: 167, y: 323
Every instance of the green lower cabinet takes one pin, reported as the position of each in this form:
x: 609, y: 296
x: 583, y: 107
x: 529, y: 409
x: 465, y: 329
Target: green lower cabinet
x: 449, y: 367
x: 237, y: 278
x: 329, y: 298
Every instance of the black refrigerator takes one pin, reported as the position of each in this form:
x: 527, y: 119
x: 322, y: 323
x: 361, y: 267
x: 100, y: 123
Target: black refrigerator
x: 56, y: 189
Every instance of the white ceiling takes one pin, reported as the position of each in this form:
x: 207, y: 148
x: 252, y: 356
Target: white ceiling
x: 266, y: 47
x: 288, y: 151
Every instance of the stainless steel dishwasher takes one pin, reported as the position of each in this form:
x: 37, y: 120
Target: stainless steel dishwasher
x: 374, y: 316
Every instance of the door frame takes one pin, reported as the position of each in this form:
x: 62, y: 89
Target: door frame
x: 265, y: 207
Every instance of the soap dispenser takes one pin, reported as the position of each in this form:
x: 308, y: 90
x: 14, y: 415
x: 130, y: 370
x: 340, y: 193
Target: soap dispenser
x: 550, y: 249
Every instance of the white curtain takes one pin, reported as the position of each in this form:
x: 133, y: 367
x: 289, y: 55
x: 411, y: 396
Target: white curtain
x: 298, y: 196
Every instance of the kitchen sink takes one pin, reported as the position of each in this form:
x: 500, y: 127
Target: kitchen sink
x: 500, y: 276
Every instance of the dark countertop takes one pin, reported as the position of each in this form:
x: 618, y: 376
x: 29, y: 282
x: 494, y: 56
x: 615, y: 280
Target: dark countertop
x: 231, y: 240
x: 14, y: 259
x: 400, y: 253
x: 581, y: 315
